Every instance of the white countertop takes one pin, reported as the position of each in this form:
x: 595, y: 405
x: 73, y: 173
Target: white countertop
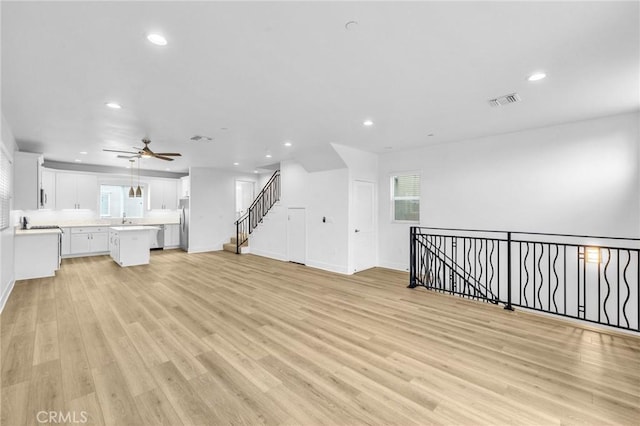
x: 37, y: 231
x: 131, y: 228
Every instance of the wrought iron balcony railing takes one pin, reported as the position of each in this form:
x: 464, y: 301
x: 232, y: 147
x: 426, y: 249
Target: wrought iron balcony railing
x: 590, y: 278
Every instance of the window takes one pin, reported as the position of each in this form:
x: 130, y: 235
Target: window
x: 5, y: 189
x: 115, y: 201
x: 405, y: 198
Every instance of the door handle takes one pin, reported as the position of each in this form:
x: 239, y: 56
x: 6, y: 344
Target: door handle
x: 357, y: 230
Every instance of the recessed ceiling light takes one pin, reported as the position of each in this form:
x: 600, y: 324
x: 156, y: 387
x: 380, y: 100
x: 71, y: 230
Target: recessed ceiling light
x: 157, y: 39
x: 167, y: 169
x: 288, y: 144
x: 255, y: 171
x: 83, y: 152
x: 268, y: 155
x: 367, y: 123
x: 113, y: 105
x: 537, y: 76
x: 236, y: 164
x: 78, y: 160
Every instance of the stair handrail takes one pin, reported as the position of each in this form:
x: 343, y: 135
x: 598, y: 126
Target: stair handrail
x: 458, y: 270
x: 268, y: 196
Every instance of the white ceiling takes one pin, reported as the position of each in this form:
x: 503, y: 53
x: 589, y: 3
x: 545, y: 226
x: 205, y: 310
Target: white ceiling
x: 268, y: 72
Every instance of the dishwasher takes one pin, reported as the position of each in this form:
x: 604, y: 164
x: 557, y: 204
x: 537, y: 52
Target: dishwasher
x: 156, y: 238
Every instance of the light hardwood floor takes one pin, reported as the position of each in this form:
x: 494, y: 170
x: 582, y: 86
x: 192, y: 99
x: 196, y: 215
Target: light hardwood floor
x: 218, y: 338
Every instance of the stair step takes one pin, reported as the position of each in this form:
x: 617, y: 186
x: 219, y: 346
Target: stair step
x: 232, y: 248
x: 233, y: 240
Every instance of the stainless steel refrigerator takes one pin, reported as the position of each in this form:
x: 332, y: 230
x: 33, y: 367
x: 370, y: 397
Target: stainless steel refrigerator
x: 184, y: 223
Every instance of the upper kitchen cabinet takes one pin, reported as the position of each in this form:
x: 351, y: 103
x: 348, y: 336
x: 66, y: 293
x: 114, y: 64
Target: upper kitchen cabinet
x: 76, y: 191
x: 27, y: 178
x: 163, y: 194
x: 48, y: 194
x: 185, y: 184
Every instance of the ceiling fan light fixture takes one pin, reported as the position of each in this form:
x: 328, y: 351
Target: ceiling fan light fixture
x: 132, y: 192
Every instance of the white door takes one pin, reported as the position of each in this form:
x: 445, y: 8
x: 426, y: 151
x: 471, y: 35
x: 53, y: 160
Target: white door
x: 364, y: 236
x: 297, y: 235
x: 245, y: 193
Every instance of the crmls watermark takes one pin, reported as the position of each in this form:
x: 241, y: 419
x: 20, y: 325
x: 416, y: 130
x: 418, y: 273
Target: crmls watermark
x: 62, y: 417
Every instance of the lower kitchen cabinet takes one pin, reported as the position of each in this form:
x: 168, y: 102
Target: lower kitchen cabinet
x: 89, y: 240
x: 36, y: 254
x: 171, y: 235
x: 65, y: 250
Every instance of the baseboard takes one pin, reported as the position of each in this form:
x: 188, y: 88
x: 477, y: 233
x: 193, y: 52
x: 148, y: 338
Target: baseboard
x: 71, y: 256
x: 270, y: 254
x: 204, y: 249
x: 328, y: 267
x: 393, y: 265
x: 6, y: 294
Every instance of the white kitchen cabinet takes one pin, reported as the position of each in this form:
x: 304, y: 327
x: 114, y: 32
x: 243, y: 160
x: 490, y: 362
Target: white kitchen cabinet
x: 185, y: 186
x: 80, y: 243
x: 89, y: 240
x: 65, y: 250
x: 76, y: 191
x: 27, y: 180
x: 163, y: 194
x: 36, y: 253
x: 48, y: 195
x: 99, y: 242
x: 171, y: 235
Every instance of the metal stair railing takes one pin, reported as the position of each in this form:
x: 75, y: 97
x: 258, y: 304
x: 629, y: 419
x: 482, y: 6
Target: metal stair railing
x: 442, y: 272
x: 268, y: 196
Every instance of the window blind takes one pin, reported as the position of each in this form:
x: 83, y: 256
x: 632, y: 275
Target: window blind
x: 5, y: 189
x: 406, y: 198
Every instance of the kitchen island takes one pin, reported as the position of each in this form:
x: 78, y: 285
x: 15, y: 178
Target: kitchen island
x: 129, y: 245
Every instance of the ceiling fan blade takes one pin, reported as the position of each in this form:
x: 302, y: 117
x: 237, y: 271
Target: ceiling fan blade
x: 117, y: 150
x: 163, y: 158
x: 169, y: 154
x: 129, y: 156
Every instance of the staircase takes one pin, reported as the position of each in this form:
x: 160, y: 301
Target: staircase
x: 266, y: 199
x: 233, y: 245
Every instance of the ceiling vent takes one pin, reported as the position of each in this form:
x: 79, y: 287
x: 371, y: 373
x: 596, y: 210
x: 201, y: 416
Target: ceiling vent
x: 504, y: 100
x: 197, y: 138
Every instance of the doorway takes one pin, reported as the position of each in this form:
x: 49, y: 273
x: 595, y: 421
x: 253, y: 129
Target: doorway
x: 297, y: 235
x: 364, y: 236
x: 245, y: 193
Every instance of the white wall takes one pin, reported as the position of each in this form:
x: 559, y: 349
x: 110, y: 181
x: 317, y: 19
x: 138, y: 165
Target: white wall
x: 322, y: 194
x: 8, y: 146
x: 575, y: 178
x: 212, y: 207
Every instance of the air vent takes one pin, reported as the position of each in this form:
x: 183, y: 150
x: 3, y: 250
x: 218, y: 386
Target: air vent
x: 197, y: 138
x: 504, y: 100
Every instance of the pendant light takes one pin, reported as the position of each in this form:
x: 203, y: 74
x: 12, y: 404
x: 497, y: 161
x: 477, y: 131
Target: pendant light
x: 138, y: 189
x: 132, y: 193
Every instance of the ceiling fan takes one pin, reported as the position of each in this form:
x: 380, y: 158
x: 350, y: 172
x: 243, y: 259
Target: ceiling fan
x: 146, y: 152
